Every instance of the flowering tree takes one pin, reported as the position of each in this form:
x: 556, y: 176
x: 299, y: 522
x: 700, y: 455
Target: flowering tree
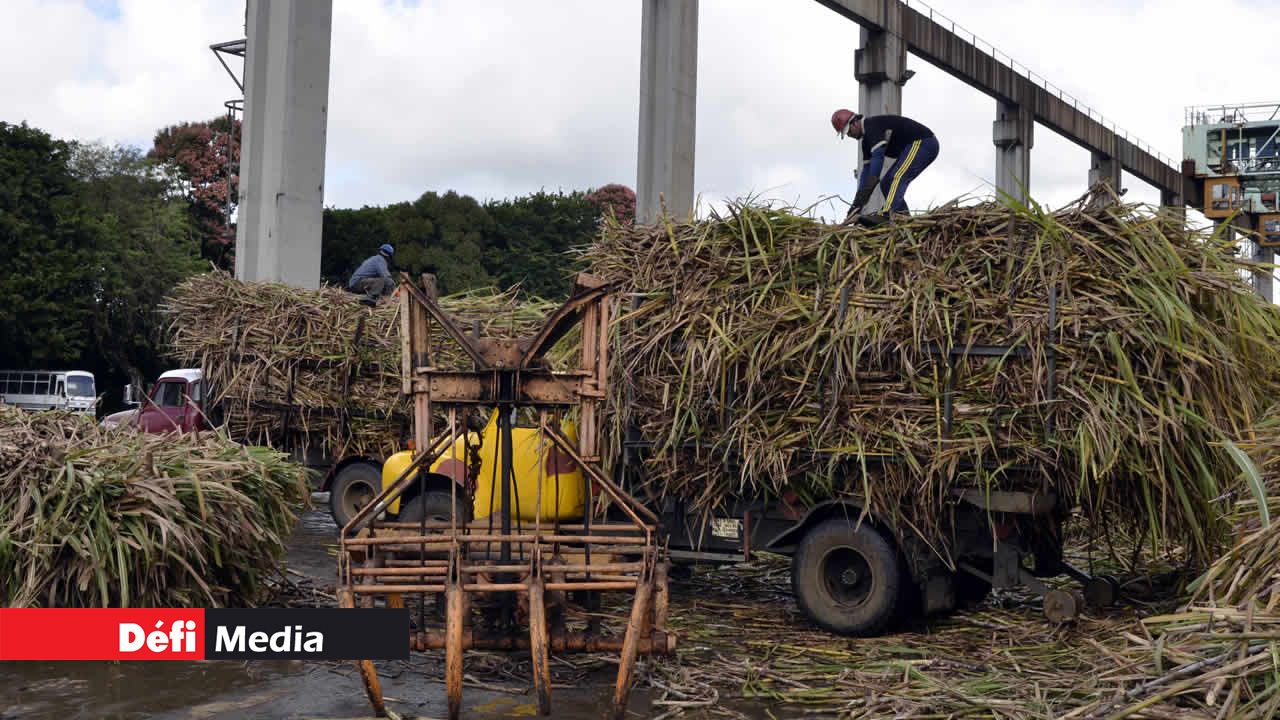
x: 619, y: 199
x: 200, y: 157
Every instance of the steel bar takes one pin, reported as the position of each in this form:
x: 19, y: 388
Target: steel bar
x: 508, y: 474
x: 402, y: 571
x: 578, y: 575
x: 657, y: 643
x: 576, y: 568
x: 538, y: 643
x: 380, y: 589
x: 399, y: 571
x: 454, y: 646
x: 524, y: 538
x: 631, y: 648
x: 483, y: 525
x: 661, y: 596
x: 402, y: 555
x: 376, y: 589
x: 368, y: 674
x: 479, y: 557
x: 549, y: 567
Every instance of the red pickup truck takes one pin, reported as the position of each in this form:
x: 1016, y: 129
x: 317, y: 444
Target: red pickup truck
x: 176, y: 403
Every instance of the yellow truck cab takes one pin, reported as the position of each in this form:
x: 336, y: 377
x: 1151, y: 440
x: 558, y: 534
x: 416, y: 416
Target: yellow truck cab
x: 535, y: 460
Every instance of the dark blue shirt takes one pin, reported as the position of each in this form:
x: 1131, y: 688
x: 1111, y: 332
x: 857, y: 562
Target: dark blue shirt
x: 891, y: 132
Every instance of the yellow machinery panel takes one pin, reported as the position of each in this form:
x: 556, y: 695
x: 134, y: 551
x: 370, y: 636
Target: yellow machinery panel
x: 1221, y: 197
x: 391, y: 469
x: 532, y: 457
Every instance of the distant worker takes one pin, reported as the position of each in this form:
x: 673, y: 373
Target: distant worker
x: 912, y: 144
x: 373, y: 278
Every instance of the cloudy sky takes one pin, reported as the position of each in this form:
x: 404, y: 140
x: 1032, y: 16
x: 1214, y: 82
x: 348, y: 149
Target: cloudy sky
x: 496, y: 98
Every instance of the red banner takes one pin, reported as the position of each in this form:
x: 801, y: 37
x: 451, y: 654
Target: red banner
x: 199, y: 634
x: 101, y: 634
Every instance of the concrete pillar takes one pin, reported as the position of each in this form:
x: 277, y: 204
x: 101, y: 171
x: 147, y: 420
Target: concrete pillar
x: 1172, y: 203
x: 286, y: 93
x: 668, y: 98
x: 880, y: 66
x: 1105, y: 169
x: 1013, y: 133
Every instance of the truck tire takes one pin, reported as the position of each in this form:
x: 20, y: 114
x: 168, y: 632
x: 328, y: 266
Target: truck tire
x: 435, y: 505
x: 355, y: 486
x: 846, y: 578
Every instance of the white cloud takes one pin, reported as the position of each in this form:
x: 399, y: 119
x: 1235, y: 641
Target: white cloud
x: 495, y: 98
x: 79, y: 75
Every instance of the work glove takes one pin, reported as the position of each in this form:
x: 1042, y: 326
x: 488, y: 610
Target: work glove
x: 859, y: 201
x: 863, y: 196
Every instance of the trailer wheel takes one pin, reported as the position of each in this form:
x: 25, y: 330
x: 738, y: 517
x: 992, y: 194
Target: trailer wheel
x: 846, y: 578
x: 434, y: 504
x: 355, y: 486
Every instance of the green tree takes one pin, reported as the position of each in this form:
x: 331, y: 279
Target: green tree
x: 444, y: 234
x: 526, y: 241
x: 92, y: 237
x: 49, y: 252
x: 148, y: 244
x: 532, y: 238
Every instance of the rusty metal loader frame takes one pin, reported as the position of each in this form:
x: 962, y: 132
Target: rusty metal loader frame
x: 518, y: 571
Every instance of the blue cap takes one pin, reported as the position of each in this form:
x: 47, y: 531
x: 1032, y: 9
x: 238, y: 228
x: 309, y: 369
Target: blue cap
x: 387, y: 250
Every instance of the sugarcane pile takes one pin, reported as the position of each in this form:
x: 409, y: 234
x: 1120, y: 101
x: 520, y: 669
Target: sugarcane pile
x: 316, y: 369
x: 91, y: 517
x: 1217, y: 654
x: 763, y: 352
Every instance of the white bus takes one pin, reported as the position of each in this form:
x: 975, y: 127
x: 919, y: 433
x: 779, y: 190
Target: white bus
x: 49, y: 390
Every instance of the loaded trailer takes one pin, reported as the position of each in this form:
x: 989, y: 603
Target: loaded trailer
x: 856, y: 573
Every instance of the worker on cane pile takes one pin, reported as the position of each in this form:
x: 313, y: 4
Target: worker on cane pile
x: 913, y: 145
x: 373, y: 278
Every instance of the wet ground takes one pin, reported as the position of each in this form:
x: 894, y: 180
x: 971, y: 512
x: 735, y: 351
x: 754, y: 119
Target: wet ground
x: 746, y: 652
x: 295, y: 689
